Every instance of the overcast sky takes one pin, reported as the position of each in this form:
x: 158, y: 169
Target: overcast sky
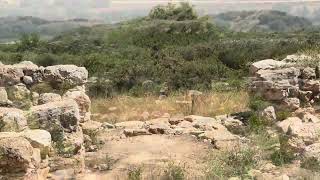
x: 99, y: 9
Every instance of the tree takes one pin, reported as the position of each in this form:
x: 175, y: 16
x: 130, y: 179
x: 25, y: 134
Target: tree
x: 182, y: 12
x: 28, y: 42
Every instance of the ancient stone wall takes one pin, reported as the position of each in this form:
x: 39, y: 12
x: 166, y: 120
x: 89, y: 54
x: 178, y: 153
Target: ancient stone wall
x: 295, y: 89
x: 41, y: 109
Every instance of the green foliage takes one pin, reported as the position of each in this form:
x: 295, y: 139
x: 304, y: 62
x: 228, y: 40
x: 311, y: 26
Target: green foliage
x: 232, y: 164
x: 135, y: 173
x: 171, y: 11
x: 257, y: 103
x: 174, y: 172
x: 28, y: 42
x: 285, y: 154
x: 311, y: 163
x: 282, y: 115
x: 180, y: 49
x: 257, y: 124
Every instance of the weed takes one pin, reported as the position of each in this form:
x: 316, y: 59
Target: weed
x: 285, y: 154
x: 282, y: 115
x: 257, y: 103
x: 174, y: 172
x: 232, y: 163
x: 135, y: 173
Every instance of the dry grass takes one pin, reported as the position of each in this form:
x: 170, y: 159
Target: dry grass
x: 125, y: 108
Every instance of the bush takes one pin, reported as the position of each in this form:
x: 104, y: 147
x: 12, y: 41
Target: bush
x: 135, y: 173
x: 283, y: 115
x: 232, y: 164
x: 174, y: 172
x: 285, y: 154
x: 173, y: 12
x: 257, y: 103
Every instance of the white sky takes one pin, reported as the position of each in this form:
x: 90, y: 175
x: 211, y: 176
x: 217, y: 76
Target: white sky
x: 59, y: 9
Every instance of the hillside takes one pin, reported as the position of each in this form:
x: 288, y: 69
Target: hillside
x: 261, y: 21
x: 12, y: 27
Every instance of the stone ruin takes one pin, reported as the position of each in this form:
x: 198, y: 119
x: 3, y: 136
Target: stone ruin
x: 41, y: 112
x: 294, y: 88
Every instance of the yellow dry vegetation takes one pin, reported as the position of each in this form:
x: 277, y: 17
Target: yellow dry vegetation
x: 128, y: 108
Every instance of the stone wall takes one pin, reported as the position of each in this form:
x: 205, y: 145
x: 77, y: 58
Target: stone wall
x: 295, y: 89
x: 41, y: 111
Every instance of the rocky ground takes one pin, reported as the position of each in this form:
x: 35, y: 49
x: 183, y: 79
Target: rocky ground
x: 46, y: 130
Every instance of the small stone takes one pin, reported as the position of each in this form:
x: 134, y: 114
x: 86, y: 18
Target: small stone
x: 27, y: 80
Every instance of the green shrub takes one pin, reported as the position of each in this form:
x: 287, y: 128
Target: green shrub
x: 135, y: 173
x: 282, y: 115
x: 182, y: 12
x: 232, y: 164
x: 257, y: 103
x: 284, y: 154
x: 174, y: 172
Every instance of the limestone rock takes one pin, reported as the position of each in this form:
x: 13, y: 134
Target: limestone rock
x: 91, y: 128
x: 222, y: 139
x: 55, y: 117
x: 207, y: 123
x: 70, y: 75
x: 83, y: 101
x: 27, y: 80
x: 9, y: 75
x: 72, y: 144
x: 130, y: 124
x: 285, y: 124
x: 290, y: 104
x: 269, y: 114
x: 12, y: 120
x: 16, y: 155
x: 266, y: 64
x: 40, y: 139
x: 308, y: 73
x: 48, y: 97
x: 313, y: 151
x: 19, y: 95
x: 3, y: 96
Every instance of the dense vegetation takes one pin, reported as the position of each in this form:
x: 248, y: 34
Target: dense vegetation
x: 171, y: 46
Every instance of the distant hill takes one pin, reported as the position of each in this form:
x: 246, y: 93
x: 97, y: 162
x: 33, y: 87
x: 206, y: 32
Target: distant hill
x: 261, y: 21
x: 12, y: 27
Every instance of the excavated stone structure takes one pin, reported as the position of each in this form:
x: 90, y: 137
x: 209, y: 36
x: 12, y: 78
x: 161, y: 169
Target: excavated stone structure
x: 41, y: 109
x: 294, y: 88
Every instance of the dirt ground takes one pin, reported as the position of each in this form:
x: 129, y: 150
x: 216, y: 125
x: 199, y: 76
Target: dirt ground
x: 153, y: 154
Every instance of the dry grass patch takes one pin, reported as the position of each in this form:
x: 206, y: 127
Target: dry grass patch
x: 126, y: 108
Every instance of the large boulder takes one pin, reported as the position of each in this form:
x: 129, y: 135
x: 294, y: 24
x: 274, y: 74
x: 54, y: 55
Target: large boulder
x: 12, y: 120
x: 56, y: 117
x: 20, y: 96
x: 266, y: 64
x: 4, y: 101
x: 9, y: 75
x: 48, y: 97
x: 83, y: 101
x: 17, y: 155
x: 40, y: 139
x: 68, y: 75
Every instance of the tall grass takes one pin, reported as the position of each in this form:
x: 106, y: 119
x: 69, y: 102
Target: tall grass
x: 126, y: 108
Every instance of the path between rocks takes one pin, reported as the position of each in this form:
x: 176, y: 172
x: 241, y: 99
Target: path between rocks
x: 151, y: 152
